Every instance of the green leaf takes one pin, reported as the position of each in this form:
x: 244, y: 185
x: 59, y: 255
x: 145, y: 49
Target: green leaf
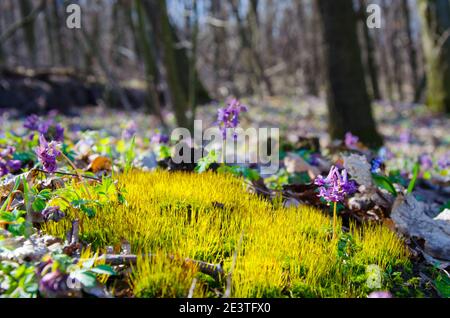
x: 442, y: 284
x: 205, y: 162
x: 384, y: 183
x: 412, y: 183
x: 86, y: 278
x: 103, y: 270
x: 38, y: 205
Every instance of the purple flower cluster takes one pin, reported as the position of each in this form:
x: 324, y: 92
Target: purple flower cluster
x: 228, y: 117
x: 426, y: 162
x: 53, y: 282
x: 160, y: 139
x: 444, y: 161
x: 380, y: 294
x: 47, y: 127
x: 335, y: 186
x: 405, y: 137
x: 7, y: 163
x: 351, y: 141
x: 52, y: 213
x: 47, y: 154
x: 130, y: 131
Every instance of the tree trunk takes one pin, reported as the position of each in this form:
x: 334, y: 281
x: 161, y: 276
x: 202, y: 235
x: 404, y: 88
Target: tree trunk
x: 411, y: 47
x: 307, y: 56
x: 435, y: 16
x: 370, y: 51
x: 59, y: 36
x: 146, y: 51
x: 349, y: 105
x: 28, y: 28
x: 157, y: 11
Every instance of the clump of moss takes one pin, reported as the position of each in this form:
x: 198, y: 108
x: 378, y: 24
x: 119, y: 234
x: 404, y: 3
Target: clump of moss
x: 280, y: 252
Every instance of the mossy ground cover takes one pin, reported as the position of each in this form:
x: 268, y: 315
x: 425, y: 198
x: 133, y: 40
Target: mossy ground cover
x: 270, y: 251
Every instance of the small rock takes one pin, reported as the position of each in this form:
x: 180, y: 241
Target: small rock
x: 296, y: 164
x: 443, y: 216
x: 359, y: 168
x: 411, y: 219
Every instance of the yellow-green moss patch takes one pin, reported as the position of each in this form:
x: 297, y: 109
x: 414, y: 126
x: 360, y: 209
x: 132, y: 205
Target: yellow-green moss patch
x: 285, y: 252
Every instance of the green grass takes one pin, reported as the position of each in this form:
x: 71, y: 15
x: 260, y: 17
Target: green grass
x: 284, y: 252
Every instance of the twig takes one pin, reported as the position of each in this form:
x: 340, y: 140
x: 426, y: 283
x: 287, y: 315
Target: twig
x: 191, y: 290
x: 74, y: 233
x: 78, y: 174
x: 213, y: 270
x: 70, y: 174
x: 227, y: 293
x: 33, y: 14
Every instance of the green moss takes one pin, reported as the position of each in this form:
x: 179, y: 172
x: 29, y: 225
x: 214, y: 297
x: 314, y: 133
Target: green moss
x: 281, y: 252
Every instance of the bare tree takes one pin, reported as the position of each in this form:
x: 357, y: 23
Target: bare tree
x: 436, y: 44
x: 348, y: 102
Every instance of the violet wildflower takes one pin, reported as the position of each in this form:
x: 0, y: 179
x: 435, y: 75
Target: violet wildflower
x: 426, y: 162
x: 14, y: 165
x: 32, y: 122
x: 334, y: 188
x: 380, y: 294
x: 351, y: 141
x: 59, y: 133
x: 3, y: 168
x: 54, y: 284
x: 130, y: 131
x: 228, y: 117
x: 160, y: 139
x: 405, y: 137
x: 44, y: 126
x: 47, y: 154
x: 8, y: 151
x: 444, y: 161
x: 52, y: 213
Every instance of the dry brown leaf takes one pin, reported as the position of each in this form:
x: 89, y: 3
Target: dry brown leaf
x: 99, y: 163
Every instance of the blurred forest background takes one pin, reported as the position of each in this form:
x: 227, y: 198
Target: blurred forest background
x: 178, y: 54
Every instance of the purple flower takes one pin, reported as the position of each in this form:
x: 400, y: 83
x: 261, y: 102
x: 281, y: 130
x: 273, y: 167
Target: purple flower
x: 14, y: 165
x: 59, y: 133
x: 405, y: 137
x: 44, y: 126
x: 228, y: 117
x: 426, y: 162
x: 335, y: 186
x: 8, y: 151
x: 54, y: 284
x: 351, y: 140
x: 47, y: 154
x: 52, y: 213
x: 160, y: 139
x: 444, y: 161
x: 130, y: 131
x: 380, y: 294
x: 3, y: 168
x: 32, y: 122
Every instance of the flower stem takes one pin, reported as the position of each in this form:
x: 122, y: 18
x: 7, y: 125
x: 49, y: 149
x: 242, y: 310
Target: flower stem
x: 80, y: 177
x: 70, y: 174
x: 334, y: 220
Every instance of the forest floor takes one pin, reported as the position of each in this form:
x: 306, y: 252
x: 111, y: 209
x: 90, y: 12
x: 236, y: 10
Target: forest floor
x: 85, y: 214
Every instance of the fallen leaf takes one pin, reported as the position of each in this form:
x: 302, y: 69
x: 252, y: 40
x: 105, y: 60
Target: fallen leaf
x: 411, y: 219
x: 99, y: 163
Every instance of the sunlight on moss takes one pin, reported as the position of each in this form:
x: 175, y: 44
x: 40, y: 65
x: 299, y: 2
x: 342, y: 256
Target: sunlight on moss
x: 284, y: 252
